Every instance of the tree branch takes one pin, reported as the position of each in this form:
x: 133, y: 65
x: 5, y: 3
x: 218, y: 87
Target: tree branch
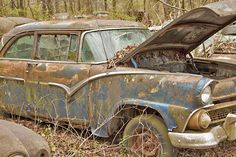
x: 171, y: 6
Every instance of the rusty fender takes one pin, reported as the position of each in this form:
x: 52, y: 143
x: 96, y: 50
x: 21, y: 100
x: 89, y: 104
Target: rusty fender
x: 163, y: 92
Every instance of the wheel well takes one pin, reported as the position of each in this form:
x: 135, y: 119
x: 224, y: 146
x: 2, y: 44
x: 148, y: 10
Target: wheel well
x: 125, y: 113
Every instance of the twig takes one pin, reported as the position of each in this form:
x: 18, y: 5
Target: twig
x: 171, y: 6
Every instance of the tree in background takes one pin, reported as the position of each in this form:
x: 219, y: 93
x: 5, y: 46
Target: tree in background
x: 157, y: 10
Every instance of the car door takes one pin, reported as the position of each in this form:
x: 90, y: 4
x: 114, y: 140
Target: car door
x: 15, y: 56
x: 51, y: 76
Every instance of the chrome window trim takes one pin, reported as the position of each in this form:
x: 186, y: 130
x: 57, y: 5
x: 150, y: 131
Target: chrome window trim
x: 80, y: 84
x: 38, y: 61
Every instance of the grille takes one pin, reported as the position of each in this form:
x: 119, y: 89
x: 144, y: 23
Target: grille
x: 220, y: 114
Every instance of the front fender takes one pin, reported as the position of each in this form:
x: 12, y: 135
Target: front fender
x: 173, y: 96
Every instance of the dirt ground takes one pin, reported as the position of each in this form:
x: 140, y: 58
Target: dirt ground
x: 67, y: 142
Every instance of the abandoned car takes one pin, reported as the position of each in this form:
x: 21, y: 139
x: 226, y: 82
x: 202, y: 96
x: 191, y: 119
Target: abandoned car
x: 19, y: 141
x: 8, y: 23
x: 224, y: 48
x: 157, y: 95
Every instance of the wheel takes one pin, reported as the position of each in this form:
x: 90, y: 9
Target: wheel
x: 147, y: 136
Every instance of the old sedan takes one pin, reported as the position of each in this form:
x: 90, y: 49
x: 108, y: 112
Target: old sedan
x: 158, y: 95
x: 224, y: 47
x: 8, y: 23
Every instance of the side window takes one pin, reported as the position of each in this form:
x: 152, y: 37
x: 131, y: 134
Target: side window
x: 86, y: 54
x: 58, y: 47
x: 21, y: 48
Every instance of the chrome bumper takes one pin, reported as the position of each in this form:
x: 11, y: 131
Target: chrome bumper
x: 206, y: 139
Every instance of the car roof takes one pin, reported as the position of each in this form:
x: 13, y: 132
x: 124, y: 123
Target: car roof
x: 80, y: 24
x: 7, y: 23
x: 76, y: 24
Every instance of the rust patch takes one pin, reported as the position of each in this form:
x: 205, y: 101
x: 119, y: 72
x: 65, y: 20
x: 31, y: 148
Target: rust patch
x: 180, y: 114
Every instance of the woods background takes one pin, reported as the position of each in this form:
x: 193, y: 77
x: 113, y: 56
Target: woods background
x: 156, y: 10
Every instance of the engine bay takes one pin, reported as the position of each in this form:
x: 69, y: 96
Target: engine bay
x: 176, y: 61
x: 162, y: 61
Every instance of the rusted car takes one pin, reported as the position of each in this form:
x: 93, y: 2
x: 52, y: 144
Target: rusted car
x: 158, y: 95
x: 19, y: 141
x: 225, y: 46
x: 8, y: 23
x: 221, y: 46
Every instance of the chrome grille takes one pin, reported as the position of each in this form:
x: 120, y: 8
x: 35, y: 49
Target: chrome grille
x: 220, y: 114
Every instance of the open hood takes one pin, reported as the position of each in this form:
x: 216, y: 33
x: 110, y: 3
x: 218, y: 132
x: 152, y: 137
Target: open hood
x: 190, y: 30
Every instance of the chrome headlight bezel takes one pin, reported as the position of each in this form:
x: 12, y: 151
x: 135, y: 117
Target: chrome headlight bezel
x: 206, y: 95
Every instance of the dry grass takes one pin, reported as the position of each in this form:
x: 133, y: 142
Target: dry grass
x: 66, y: 142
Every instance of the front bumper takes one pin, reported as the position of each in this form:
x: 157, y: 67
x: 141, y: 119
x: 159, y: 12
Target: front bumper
x: 209, y: 139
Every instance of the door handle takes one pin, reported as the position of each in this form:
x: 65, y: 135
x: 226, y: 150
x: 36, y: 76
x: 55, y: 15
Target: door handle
x: 30, y: 66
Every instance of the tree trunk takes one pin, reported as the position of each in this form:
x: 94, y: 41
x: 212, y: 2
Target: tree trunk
x: 144, y: 5
x: 89, y: 7
x: 167, y: 10
x: 21, y: 7
x: 44, y: 7
x: 12, y: 4
x: 78, y: 5
x: 105, y: 5
x: 57, y: 9
x: 130, y: 7
x: 183, y: 4
x: 71, y: 7
x: 31, y: 10
x: 114, y: 6
x: 50, y: 7
x: 65, y: 6
x: 38, y: 2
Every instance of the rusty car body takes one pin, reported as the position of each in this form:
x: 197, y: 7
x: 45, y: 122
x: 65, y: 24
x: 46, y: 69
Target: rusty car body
x: 8, y: 23
x: 225, y: 47
x: 19, y: 141
x: 59, y: 72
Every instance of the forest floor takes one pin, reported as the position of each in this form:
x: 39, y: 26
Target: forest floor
x: 67, y: 142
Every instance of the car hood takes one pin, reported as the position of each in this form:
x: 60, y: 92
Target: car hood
x: 190, y: 30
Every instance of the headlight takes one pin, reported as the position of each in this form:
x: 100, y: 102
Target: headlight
x: 204, y: 120
x: 206, y: 96
x: 200, y: 120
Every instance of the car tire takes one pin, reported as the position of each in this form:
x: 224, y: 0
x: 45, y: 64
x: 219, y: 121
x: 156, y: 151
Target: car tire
x: 147, y: 135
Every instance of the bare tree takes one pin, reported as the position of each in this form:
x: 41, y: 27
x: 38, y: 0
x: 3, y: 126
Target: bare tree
x: 57, y: 4
x: 65, y: 5
x: 44, y: 7
x: 144, y: 5
x: 130, y: 7
x: 89, y: 6
x: 78, y: 5
x: 71, y: 2
x: 49, y: 7
x: 114, y: 6
x: 105, y: 5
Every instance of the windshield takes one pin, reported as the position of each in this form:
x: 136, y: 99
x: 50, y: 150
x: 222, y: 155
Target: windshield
x: 96, y: 45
